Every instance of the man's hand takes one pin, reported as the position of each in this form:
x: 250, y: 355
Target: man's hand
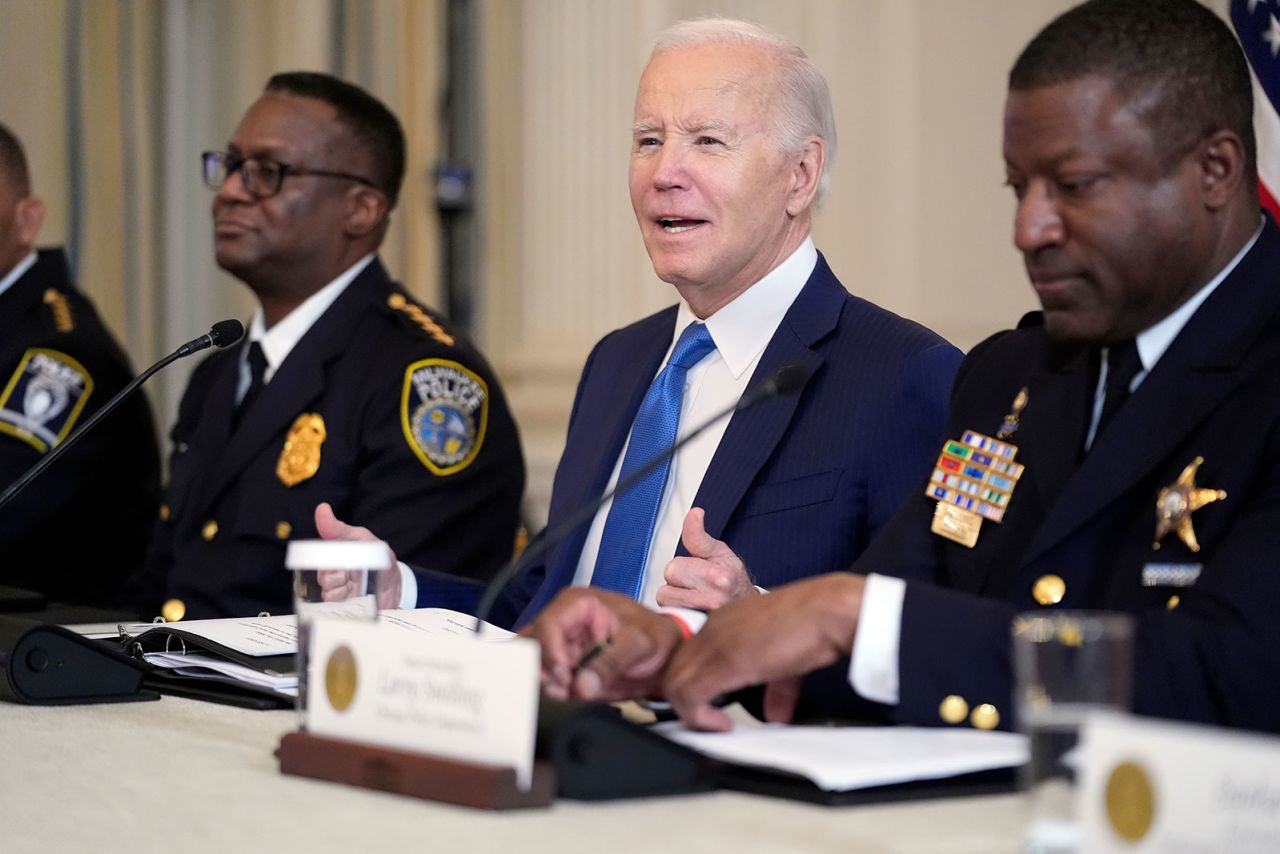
x: 338, y: 585
x: 634, y: 645
x: 772, y: 639
x: 712, y: 576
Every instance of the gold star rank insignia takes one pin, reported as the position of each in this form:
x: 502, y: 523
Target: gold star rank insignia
x: 1177, y: 501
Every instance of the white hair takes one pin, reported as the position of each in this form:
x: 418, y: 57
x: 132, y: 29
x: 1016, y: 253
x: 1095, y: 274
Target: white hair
x: 802, y: 104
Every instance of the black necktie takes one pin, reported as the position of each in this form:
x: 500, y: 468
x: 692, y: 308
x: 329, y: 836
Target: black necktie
x: 1123, y: 364
x: 257, y: 370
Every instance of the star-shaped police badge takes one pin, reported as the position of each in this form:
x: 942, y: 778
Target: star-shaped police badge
x: 1177, y: 501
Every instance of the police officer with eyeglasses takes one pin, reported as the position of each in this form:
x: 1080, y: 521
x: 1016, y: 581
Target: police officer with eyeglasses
x: 345, y: 391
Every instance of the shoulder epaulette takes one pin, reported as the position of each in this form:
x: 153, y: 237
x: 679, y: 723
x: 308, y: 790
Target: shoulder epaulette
x: 61, y: 310
x: 423, y: 320
x: 1030, y: 319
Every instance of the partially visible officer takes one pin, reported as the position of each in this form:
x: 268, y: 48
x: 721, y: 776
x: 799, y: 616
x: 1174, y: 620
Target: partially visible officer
x: 78, y: 531
x: 1120, y: 450
x: 344, y: 391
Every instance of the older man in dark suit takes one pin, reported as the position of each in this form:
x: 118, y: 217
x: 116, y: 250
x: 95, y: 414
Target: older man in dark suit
x: 732, y: 148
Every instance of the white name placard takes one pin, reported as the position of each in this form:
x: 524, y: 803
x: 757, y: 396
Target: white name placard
x: 454, y: 697
x: 1150, y: 785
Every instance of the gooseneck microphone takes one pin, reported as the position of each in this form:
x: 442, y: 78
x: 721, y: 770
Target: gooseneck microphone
x: 786, y: 380
x: 223, y: 334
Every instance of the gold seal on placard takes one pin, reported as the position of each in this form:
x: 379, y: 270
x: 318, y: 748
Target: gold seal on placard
x: 1131, y: 801
x: 300, y: 457
x: 340, y: 678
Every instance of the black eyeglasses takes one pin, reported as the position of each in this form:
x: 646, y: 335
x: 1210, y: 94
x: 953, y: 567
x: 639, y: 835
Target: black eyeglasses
x: 261, y: 177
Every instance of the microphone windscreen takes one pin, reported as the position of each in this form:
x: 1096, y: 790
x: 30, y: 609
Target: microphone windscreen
x: 226, y: 332
x: 789, y: 379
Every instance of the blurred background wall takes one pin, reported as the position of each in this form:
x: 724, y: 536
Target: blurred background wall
x: 515, y: 215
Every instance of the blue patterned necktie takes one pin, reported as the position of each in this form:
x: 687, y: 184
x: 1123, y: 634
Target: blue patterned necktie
x: 624, y: 546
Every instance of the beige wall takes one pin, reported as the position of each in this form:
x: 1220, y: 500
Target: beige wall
x: 115, y: 100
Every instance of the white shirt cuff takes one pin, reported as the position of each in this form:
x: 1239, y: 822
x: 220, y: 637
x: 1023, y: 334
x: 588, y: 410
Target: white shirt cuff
x: 695, y: 620
x: 873, y: 667
x: 408, y: 586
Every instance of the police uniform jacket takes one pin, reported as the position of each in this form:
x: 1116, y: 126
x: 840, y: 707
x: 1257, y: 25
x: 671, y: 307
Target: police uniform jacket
x: 799, y: 483
x: 381, y: 410
x: 1080, y: 528
x: 80, y: 528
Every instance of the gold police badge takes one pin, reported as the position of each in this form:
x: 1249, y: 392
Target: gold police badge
x: 300, y: 457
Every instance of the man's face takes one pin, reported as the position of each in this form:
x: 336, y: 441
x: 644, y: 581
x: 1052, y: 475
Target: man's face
x: 299, y: 229
x: 708, y: 184
x: 1113, y: 237
x: 11, y: 245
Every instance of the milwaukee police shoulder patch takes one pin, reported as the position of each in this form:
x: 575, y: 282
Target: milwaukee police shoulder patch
x: 44, y: 397
x: 444, y: 411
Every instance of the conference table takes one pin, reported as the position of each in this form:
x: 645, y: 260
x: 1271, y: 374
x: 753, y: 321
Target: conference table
x: 179, y: 775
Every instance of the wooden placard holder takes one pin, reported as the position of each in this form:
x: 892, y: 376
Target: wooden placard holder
x: 450, y: 781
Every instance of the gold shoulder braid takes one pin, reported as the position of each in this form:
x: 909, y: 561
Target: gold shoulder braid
x: 61, y: 310
x: 421, y: 318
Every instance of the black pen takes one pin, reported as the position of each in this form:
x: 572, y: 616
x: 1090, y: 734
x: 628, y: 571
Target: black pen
x: 592, y: 654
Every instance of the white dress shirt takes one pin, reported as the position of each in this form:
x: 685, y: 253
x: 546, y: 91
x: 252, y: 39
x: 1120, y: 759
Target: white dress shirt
x: 17, y: 272
x: 278, y: 341
x: 741, y: 331
x: 873, y: 666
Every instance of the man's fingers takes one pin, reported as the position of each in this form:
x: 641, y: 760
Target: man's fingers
x: 571, y: 625
x: 632, y: 663
x: 337, y: 585
x: 695, y: 537
x: 780, y: 700
x: 329, y: 579
x: 706, y: 717
x: 680, y: 597
x: 330, y: 527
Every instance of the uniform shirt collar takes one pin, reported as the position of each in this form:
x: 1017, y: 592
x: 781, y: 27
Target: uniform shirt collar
x: 278, y: 341
x: 18, y: 271
x: 744, y: 327
x: 1155, y: 340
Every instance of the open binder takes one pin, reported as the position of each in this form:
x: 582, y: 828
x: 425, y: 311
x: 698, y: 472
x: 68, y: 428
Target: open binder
x: 184, y: 649
x: 264, y: 646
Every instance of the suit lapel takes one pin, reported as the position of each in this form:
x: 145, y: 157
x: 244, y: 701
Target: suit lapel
x: 753, y: 433
x: 1205, y: 362
x: 1059, y: 400
x: 616, y: 386
x: 214, y: 425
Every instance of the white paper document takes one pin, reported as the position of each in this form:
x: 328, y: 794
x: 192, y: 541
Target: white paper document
x: 840, y: 759
x: 194, y: 664
x: 278, y: 635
